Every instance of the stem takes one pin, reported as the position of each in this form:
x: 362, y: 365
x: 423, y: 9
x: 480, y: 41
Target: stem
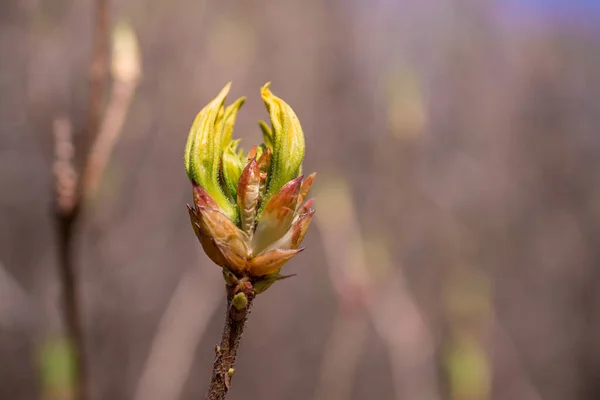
x: 71, y: 307
x: 98, y: 73
x: 225, y: 353
x: 70, y: 192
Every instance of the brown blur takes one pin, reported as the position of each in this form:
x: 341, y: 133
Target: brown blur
x: 454, y: 254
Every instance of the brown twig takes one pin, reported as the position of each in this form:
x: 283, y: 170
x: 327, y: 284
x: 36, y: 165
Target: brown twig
x: 225, y: 354
x: 98, y: 73
x: 342, y: 354
x: 100, y: 132
x: 379, y: 294
x: 126, y: 73
x: 69, y: 193
x: 67, y: 210
x: 71, y: 306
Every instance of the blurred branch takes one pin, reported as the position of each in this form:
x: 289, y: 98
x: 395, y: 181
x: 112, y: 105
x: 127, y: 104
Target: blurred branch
x: 67, y: 211
x: 71, y: 192
x: 400, y: 324
x: 98, y: 73
x: 520, y: 381
x: 126, y: 73
x: 342, y: 355
x: 65, y: 176
x: 372, y: 284
x: 180, y: 329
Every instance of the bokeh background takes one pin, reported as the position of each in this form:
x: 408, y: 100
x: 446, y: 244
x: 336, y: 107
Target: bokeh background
x: 454, y: 254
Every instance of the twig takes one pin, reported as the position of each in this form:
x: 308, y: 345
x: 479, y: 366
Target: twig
x: 126, y: 73
x: 385, y: 298
x: 67, y: 210
x: 225, y: 354
x: 69, y: 195
x: 71, y: 192
x: 400, y: 324
x: 98, y: 73
x: 65, y: 176
x: 342, y: 355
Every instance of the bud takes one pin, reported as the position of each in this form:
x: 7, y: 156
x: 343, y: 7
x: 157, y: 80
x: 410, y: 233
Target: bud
x: 248, y: 211
x: 240, y: 301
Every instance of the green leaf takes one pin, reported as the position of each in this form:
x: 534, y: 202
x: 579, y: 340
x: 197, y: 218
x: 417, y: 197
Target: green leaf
x: 203, y: 150
x: 232, y: 168
x: 287, y: 140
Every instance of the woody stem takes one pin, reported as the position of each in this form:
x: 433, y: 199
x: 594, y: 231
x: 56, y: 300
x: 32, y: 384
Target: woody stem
x: 226, y: 352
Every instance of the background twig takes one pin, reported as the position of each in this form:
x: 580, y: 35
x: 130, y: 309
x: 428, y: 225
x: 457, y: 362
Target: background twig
x: 180, y: 329
x: 376, y: 289
x: 98, y: 73
x: 126, y: 74
x: 100, y: 133
x: 67, y: 209
x: 342, y: 355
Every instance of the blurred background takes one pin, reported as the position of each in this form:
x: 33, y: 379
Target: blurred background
x: 454, y: 254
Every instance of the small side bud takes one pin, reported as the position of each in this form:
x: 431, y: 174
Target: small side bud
x: 240, y: 301
x: 228, y: 377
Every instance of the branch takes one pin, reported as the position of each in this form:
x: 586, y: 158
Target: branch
x: 341, y: 356
x: 70, y: 191
x: 225, y: 354
x: 126, y: 73
x: 67, y: 210
x: 376, y: 288
x: 98, y: 72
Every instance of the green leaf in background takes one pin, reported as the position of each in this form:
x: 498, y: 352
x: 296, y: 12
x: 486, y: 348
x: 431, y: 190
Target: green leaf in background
x: 56, y: 359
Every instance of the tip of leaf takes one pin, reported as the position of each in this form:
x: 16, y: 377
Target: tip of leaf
x: 264, y: 91
x: 225, y: 91
x: 240, y: 102
x: 282, y: 277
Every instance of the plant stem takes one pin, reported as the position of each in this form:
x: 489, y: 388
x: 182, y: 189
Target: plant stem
x: 227, y: 351
x: 71, y: 306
